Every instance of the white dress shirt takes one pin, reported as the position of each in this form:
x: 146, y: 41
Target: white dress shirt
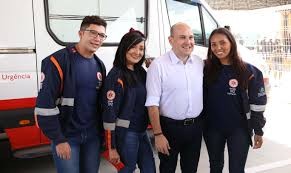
x: 176, y: 87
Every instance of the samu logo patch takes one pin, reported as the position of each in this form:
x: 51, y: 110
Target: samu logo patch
x: 233, y: 83
x: 110, y: 95
x: 99, y: 76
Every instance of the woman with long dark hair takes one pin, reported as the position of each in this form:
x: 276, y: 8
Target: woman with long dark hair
x: 234, y: 102
x: 125, y: 116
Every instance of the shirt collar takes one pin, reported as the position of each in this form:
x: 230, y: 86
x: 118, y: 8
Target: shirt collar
x: 176, y: 60
x: 191, y: 59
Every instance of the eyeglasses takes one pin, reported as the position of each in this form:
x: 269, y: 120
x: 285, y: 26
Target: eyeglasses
x: 95, y: 34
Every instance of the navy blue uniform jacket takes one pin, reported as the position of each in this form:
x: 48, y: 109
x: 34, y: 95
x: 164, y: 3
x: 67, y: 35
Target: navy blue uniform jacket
x: 55, y: 100
x: 119, y: 105
x: 254, y: 101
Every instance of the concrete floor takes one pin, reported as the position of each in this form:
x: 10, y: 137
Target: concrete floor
x: 272, y: 158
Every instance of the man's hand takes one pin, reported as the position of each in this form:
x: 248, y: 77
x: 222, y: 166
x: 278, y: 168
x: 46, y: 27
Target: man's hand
x: 63, y: 151
x: 162, y: 144
x: 258, y: 141
x: 114, y: 156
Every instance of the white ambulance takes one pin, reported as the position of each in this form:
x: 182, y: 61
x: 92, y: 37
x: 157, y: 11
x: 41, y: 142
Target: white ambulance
x: 32, y: 29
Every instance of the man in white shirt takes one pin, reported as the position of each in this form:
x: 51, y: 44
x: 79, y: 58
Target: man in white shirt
x: 175, y: 101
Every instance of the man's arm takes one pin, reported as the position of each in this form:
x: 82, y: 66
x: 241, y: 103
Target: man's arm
x: 154, y: 91
x: 46, y: 110
x: 154, y: 115
x: 161, y: 142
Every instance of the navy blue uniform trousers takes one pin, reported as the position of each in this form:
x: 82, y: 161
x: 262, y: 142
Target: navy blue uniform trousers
x: 238, y: 143
x: 184, y: 139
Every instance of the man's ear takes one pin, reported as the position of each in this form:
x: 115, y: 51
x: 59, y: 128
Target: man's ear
x: 80, y: 33
x: 170, y: 38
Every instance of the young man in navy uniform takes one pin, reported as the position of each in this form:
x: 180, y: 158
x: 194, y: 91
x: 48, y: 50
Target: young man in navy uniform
x: 67, y: 106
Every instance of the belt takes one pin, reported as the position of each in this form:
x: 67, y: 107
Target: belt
x: 185, y: 122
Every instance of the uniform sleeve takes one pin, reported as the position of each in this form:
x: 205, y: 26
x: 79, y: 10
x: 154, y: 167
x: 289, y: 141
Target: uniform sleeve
x: 257, y: 101
x: 46, y: 109
x: 153, y: 85
x: 112, y: 96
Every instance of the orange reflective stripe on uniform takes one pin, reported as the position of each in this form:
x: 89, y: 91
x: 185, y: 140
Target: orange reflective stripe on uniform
x: 108, y: 139
x: 252, y: 76
x: 56, y: 63
x: 120, y: 82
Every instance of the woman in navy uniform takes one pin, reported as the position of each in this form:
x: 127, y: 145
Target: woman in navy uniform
x: 125, y: 116
x: 234, y: 102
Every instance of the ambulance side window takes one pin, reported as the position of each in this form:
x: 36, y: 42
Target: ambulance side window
x: 63, y: 17
x: 188, y: 12
x: 209, y: 24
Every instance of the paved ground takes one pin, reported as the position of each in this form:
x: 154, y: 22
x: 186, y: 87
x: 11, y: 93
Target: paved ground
x: 272, y: 158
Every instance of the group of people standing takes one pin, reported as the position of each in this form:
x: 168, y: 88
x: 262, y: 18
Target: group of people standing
x: 180, y: 95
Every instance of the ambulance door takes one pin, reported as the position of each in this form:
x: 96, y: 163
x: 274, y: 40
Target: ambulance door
x: 196, y: 16
x: 18, y: 78
x: 18, y: 83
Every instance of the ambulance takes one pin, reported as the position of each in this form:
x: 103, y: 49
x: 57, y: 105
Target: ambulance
x: 33, y: 29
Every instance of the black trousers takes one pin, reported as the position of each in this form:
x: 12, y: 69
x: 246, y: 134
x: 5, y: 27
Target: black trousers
x: 184, y: 139
x: 238, y: 143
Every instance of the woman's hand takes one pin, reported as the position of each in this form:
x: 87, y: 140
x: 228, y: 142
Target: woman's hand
x: 114, y: 156
x: 63, y: 151
x: 148, y: 61
x: 258, y: 141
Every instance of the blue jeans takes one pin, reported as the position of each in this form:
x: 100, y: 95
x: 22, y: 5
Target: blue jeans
x: 238, y: 143
x: 85, y: 154
x: 136, y: 149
